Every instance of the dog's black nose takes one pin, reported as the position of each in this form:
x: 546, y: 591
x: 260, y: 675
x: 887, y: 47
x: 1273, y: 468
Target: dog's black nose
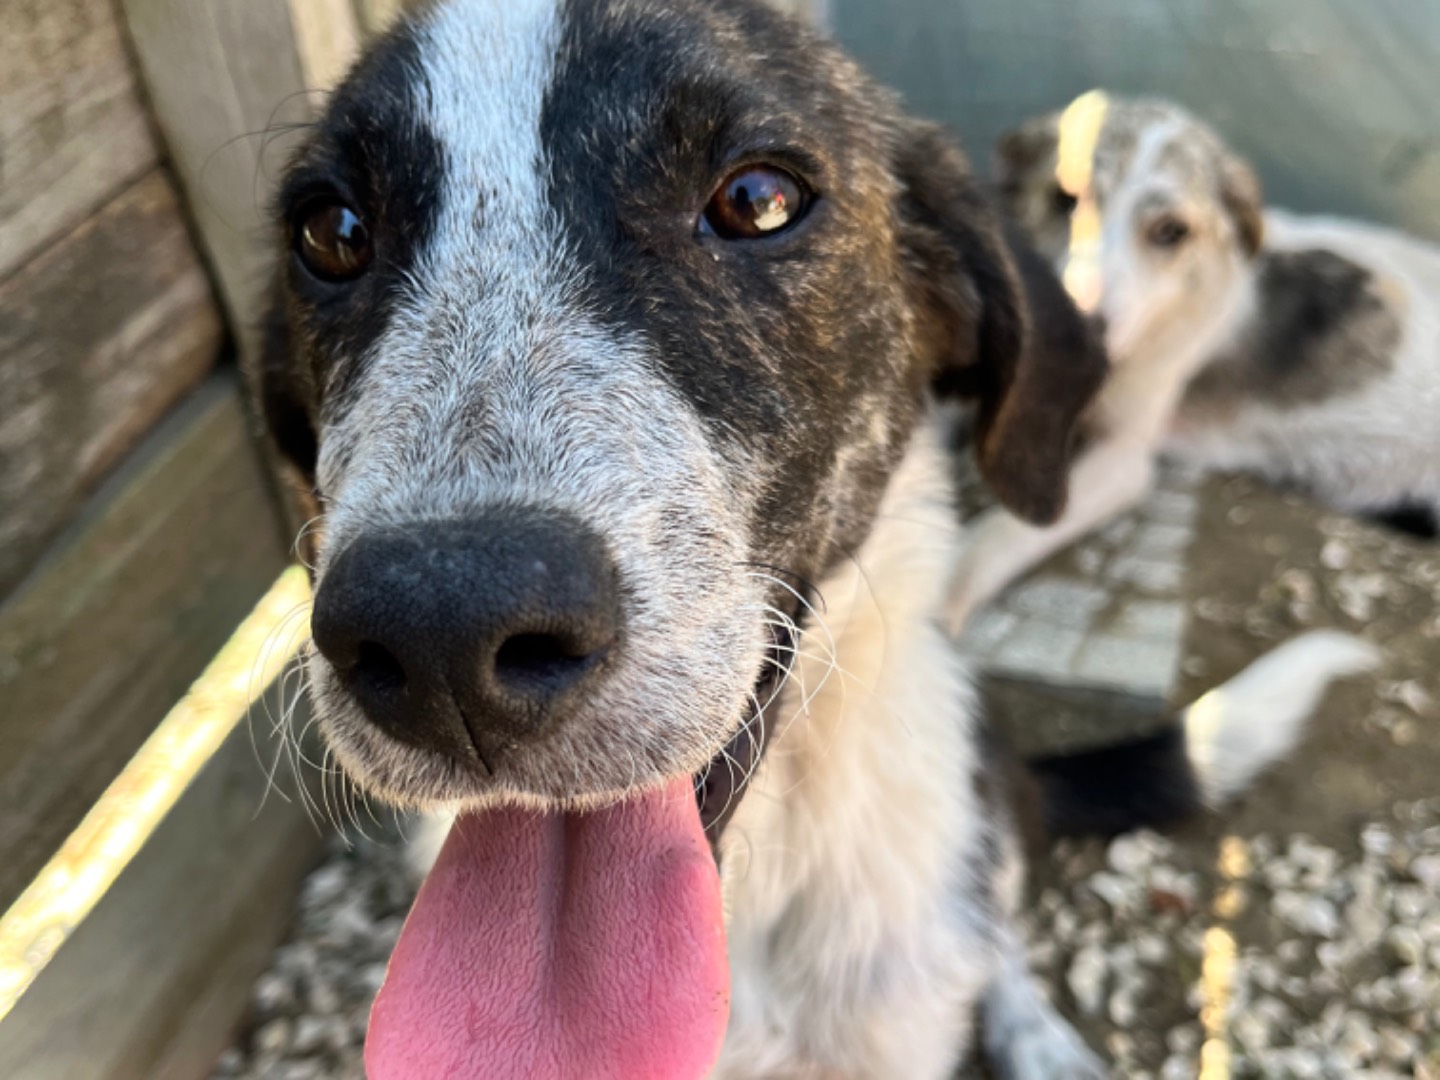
x: 472, y: 636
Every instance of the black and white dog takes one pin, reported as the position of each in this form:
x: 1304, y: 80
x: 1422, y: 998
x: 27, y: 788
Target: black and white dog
x: 608, y: 340
x: 1304, y: 349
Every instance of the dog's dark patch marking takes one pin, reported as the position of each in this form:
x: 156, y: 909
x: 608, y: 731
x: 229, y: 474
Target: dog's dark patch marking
x: 1322, y: 329
x: 776, y: 342
x: 1420, y: 520
x: 372, y: 149
x: 1147, y: 781
x: 634, y: 164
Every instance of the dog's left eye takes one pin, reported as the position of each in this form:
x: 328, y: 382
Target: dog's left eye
x: 758, y: 200
x: 333, y: 242
x: 1167, y: 232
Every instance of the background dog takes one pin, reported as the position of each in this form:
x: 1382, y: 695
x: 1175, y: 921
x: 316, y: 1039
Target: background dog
x: 607, y: 342
x: 1305, y: 349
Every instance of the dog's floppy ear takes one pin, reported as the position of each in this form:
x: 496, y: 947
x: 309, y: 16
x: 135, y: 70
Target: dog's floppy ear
x: 280, y: 402
x: 973, y: 305
x: 1019, y: 152
x: 1243, y: 200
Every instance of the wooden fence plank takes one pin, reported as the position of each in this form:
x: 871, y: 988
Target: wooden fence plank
x: 228, y: 84
x: 151, y: 984
x: 73, y: 130
x: 99, y: 337
x: 327, y: 38
x: 106, y: 636
x: 376, y: 15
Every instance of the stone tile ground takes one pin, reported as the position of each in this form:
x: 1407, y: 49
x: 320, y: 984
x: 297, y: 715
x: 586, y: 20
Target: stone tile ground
x: 1107, y: 615
x: 1296, y: 934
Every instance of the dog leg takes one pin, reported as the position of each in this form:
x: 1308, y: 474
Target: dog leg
x: 1024, y: 1037
x: 1107, y: 480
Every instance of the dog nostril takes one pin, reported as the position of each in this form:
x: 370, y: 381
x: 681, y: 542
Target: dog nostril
x: 541, y: 662
x: 377, y: 669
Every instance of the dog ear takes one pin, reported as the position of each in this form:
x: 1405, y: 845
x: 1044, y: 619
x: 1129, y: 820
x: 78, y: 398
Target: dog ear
x: 280, y: 402
x: 973, y: 305
x: 1243, y: 200
x: 1018, y: 153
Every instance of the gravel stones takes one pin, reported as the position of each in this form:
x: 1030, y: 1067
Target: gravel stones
x: 1346, y: 984
x: 1338, y: 976
x: 309, y: 1009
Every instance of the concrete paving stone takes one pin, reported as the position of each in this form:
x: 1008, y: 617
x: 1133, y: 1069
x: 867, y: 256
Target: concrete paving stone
x: 1171, y: 507
x: 1039, y: 650
x: 1159, y: 540
x: 1179, y: 476
x: 1065, y: 602
x: 1117, y: 532
x: 1140, y: 666
x: 987, y: 630
x: 1151, y: 620
x: 1151, y: 575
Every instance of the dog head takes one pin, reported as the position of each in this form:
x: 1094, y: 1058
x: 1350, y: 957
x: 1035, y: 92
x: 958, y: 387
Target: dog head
x: 603, y: 325
x: 1150, y: 218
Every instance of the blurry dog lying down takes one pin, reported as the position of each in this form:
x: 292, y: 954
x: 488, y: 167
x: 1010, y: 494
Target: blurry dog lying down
x: 1305, y: 349
x: 607, y: 338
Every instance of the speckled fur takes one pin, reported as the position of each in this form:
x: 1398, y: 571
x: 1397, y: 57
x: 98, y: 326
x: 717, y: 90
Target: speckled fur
x: 545, y: 326
x: 870, y: 888
x: 1304, y: 349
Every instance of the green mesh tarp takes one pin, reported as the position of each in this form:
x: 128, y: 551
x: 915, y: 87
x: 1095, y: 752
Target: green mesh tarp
x: 1336, y: 101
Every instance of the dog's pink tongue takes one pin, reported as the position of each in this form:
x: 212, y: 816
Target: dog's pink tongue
x: 561, y: 947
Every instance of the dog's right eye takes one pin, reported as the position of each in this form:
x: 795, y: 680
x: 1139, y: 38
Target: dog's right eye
x: 1063, y: 202
x: 755, y: 201
x: 1167, y: 232
x: 332, y: 241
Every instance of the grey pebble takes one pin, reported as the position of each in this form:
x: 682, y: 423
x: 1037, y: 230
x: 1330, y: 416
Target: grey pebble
x: 1087, y: 978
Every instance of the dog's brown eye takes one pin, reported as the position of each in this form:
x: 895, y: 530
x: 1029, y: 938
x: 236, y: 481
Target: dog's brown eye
x: 1063, y: 201
x: 758, y: 200
x: 333, y: 242
x: 1167, y: 232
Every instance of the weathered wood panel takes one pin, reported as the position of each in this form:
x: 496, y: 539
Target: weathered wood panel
x: 327, y: 36
x: 73, y: 130
x: 227, y: 82
x: 376, y: 15
x: 150, y: 985
x: 98, y: 337
x: 107, y: 636
x: 233, y: 86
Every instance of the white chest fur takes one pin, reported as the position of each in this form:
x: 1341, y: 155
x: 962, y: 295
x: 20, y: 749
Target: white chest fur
x: 850, y: 952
